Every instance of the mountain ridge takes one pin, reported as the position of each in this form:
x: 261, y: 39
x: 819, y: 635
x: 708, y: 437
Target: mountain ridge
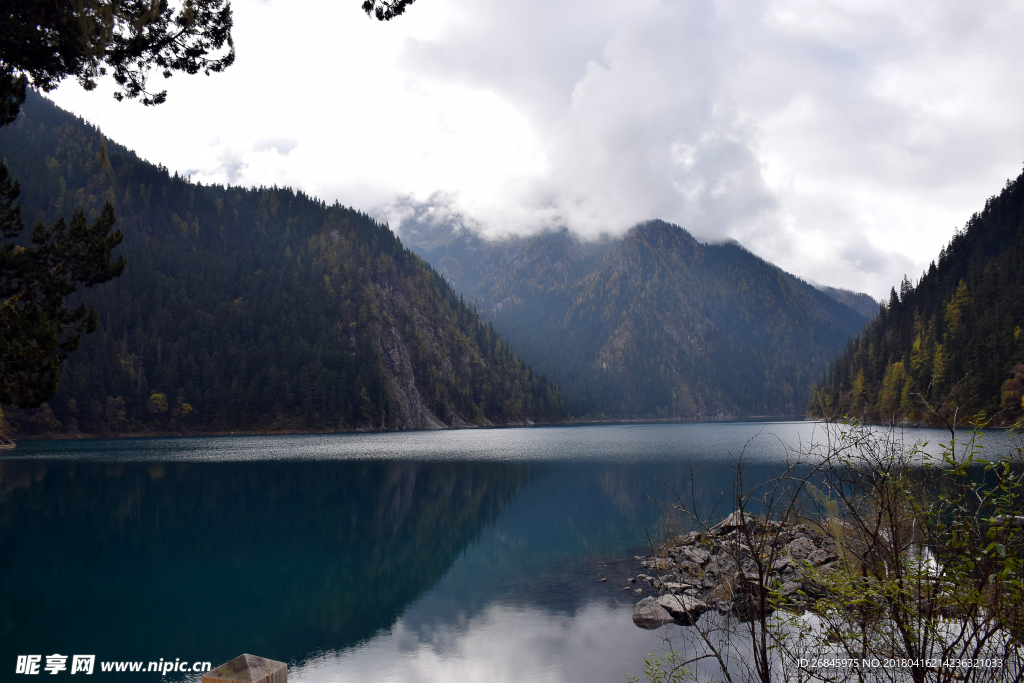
x: 555, y: 297
x: 255, y: 308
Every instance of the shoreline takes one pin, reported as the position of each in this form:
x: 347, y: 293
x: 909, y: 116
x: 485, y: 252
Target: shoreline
x: 171, y: 434
x: 64, y: 436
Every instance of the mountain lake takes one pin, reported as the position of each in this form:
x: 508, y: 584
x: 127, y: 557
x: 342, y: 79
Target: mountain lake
x: 471, y: 555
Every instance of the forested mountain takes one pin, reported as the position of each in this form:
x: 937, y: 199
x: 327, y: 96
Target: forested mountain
x: 953, y: 341
x: 655, y: 324
x: 858, y: 301
x: 255, y: 308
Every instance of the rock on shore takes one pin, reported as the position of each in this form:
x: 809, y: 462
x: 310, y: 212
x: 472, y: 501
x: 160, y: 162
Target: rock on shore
x: 699, y: 572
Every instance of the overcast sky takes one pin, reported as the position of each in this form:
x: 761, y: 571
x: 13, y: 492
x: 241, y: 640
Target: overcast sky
x: 844, y: 141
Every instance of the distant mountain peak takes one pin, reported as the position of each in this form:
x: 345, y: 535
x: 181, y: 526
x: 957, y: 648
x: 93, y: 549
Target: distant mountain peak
x: 655, y: 323
x: 665, y: 242
x: 658, y: 228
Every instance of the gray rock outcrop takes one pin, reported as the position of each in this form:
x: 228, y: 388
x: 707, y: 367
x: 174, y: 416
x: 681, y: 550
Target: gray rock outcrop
x: 698, y: 572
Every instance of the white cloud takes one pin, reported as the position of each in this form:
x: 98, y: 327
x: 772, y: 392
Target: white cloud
x: 843, y: 141
x: 280, y: 145
x: 501, y: 644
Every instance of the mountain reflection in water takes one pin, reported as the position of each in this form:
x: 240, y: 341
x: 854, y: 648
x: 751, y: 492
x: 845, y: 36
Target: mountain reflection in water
x: 382, y: 567
x: 142, y: 561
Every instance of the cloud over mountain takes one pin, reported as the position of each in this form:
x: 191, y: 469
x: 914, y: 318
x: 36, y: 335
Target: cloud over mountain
x: 835, y: 140
x: 845, y: 142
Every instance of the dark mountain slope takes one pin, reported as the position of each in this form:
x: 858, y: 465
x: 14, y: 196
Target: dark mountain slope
x: 953, y: 340
x: 691, y: 329
x: 504, y: 273
x: 858, y: 301
x: 256, y: 308
x: 655, y: 324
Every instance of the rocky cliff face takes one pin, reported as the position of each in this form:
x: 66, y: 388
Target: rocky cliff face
x: 412, y: 411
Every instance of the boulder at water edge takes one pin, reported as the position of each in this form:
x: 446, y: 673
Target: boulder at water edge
x: 683, y: 609
x: 650, y: 614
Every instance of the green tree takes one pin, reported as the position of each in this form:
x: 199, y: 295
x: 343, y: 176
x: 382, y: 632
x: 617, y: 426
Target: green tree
x: 919, y: 564
x: 42, y: 43
x: 115, y: 414
x: 220, y: 318
x: 932, y: 548
x: 385, y: 10
x: 956, y: 331
x: 39, y: 330
x: 157, y: 404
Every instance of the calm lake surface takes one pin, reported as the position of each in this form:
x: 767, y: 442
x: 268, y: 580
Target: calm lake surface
x: 472, y: 555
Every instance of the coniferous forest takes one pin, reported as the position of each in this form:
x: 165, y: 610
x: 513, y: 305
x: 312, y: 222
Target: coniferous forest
x: 653, y: 325
x: 950, y: 345
x: 260, y: 309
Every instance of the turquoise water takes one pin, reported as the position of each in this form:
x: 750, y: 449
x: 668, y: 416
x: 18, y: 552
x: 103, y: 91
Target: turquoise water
x: 424, y: 556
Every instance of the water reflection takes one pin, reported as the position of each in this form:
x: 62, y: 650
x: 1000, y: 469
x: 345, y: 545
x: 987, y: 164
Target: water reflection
x: 142, y: 561
x: 501, y: 645
x: 607, y: 443
x: 424, y: 556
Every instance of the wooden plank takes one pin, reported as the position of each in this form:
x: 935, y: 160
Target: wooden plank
x: 249, y: 669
